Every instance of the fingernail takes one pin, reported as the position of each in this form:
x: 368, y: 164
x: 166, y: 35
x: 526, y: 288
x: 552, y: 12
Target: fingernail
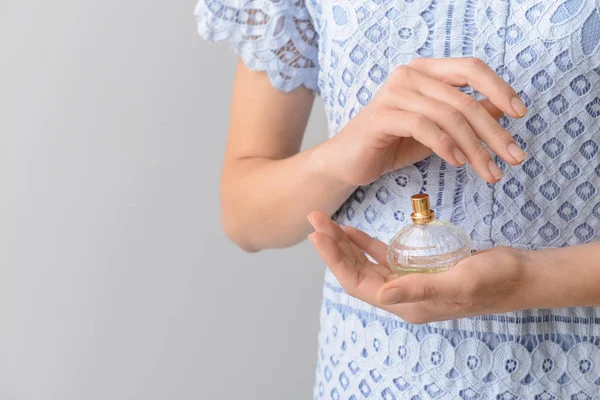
x: 459, y: 155
x: 516, y: 152
x: 519, y: 107
x: 310, y: 237
x: 495, y: 170
x: 309, y: 218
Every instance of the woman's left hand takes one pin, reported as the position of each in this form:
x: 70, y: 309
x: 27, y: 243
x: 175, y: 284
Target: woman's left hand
x: 497, y: 280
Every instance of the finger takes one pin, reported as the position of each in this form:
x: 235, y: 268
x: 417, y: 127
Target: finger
x: 458, y: 137
x: 334, y: 257
x: 483, y: 124
x: 475, y: 73
x: 491, y: 109
x: 321, y: 222
x: 417, y: 287
x: 328, y: 250
x: 373, y: 247
x: 396, y: 123
x: 410, y: 151
x: 354, y: 279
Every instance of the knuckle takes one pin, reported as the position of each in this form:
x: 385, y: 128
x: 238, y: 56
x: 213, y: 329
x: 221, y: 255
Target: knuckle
x: 475, y: 63
x: 467, y: 102
x: 444, y: 141
x: 416, y: 62
x: 420, y: 122
x: 386, y: 92
x: 481, y: 151
x: 401, y: 73
x: 453, y: 116
x: 390, y: 94
x: 500, y: 133
x: 424, y: 293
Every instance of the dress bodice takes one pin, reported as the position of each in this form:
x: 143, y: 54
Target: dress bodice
x: 549, y: 51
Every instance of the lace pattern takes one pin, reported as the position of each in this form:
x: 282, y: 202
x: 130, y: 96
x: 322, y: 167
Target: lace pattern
x: 383, y: 360
x: 276, y: 36
x: 366, y: 352
x: 549, y: 51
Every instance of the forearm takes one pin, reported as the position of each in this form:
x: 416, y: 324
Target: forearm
x: 265, y: 201
x: 567, y: 276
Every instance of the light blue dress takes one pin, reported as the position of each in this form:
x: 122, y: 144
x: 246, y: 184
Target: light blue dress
x: 549, y: 51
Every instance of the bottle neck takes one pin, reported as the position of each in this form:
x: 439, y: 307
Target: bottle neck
x: 423, y: 218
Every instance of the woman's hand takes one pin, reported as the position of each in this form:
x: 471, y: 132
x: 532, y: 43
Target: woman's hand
x: 498, y: 280
x: 419, y: 110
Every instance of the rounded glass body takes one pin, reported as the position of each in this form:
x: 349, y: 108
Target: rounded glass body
x: 429, y: 248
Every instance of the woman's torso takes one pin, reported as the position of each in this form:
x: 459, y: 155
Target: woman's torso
x: 549, y: 51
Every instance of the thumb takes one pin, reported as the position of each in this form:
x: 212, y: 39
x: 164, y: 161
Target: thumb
x: 416, y: 287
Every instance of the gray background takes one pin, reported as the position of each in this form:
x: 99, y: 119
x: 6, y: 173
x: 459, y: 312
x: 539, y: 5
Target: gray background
x: 116, y: 281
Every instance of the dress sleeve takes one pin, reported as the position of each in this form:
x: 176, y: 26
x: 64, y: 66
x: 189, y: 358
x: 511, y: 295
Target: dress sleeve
x: 276, y: 36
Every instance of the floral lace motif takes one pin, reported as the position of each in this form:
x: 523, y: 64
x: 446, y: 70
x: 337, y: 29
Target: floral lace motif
x: 363, y: 356
x: 366, y: 352
x: 276, y: 36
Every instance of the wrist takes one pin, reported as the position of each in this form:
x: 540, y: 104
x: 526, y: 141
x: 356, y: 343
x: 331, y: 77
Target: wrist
x: 550, y: 283
x: 535, y: 278
x: 532, y: 278
x: 324, y: 165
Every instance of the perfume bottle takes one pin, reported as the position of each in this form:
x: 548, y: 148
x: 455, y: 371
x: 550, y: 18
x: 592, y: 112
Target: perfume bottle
x: 427, y: 245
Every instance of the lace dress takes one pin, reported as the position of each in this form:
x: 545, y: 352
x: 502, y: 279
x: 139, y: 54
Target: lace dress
x: 549, y: 51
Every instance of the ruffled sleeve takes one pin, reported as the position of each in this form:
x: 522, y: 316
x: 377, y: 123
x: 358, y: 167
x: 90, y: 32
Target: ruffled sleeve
x: 276, y: 36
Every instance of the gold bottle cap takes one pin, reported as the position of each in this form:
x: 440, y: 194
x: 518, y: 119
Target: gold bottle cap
x: 422, y: 213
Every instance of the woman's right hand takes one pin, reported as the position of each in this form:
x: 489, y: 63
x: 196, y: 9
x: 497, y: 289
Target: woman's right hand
x: 419, y: 110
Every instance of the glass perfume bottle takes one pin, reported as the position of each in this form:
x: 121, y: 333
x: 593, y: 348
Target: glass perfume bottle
x: 427, y: 245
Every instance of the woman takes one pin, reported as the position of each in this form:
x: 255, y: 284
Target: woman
x: 492, y: 108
